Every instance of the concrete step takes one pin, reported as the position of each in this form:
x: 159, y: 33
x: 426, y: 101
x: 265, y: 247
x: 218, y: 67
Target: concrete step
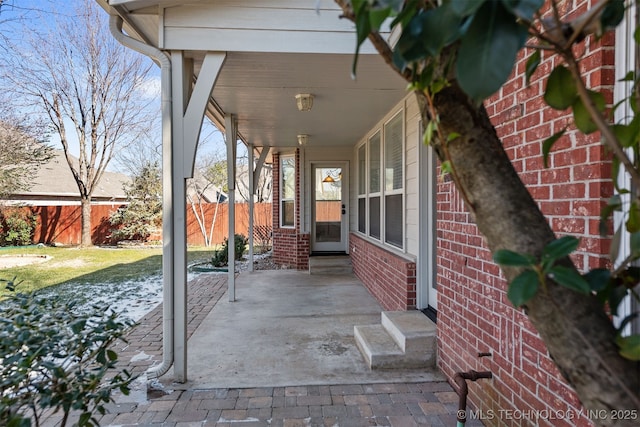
x: 378, y: 348
x: 404, y: 339
x: 411, y: 330
x: 339, y: 264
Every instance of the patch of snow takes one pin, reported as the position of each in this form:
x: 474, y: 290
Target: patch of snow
x: 141, y: 356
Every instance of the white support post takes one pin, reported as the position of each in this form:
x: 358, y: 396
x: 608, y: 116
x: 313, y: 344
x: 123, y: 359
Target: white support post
x: 188, y: 112
x: 181, y: 75
x: 231, y: 133
x: 252, y: 187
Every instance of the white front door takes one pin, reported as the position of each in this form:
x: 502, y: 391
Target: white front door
x: 329, y: 209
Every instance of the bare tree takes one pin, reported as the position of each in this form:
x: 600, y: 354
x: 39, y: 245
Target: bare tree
x: 204, y: 188
x: 22, y: 150
x: 91, y: 90
x: 263, y: 183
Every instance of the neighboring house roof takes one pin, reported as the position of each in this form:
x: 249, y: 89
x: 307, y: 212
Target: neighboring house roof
x: 199, y: 187
x: 54, y: 182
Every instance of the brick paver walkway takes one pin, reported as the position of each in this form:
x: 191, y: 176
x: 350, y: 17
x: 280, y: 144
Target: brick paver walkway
x: 396, y: 405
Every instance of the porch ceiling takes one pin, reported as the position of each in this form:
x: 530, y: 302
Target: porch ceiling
x: 260, y: 89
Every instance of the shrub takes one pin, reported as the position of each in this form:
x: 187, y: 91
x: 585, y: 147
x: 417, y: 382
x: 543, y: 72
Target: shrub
x: 55, y: 357
x: 16, y: 227
x: 221, y: 256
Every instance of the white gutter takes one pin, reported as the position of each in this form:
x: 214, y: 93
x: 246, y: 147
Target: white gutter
x: 115, y: 26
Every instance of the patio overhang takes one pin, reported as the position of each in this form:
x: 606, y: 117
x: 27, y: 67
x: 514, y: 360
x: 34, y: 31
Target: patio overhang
x: 242, y: 63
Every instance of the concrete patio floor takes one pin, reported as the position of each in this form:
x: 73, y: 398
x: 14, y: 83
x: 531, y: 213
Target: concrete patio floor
x: 289, y: 328
x: 283, y: 355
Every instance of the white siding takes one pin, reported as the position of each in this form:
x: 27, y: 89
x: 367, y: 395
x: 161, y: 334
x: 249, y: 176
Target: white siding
x: 412, y: 217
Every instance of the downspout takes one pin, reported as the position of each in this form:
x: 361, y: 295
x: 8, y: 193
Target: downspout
x: 115, y: 26
x: 460, y: 378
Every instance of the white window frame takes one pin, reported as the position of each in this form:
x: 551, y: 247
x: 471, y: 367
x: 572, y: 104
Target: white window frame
x: 382, y: 193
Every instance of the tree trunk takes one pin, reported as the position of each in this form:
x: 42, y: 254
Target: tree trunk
x: 575, y: 328
x: 85, y: 238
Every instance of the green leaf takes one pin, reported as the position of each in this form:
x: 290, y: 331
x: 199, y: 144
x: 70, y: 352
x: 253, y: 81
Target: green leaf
x: 548, y: 144
x: 78, y: 326
x: 446, y: 167
x: 629, y: 347
x: 581, y: 116
x: 612, y: 14
x: 561, y: 91
x: 505, y: 257
x: 523, y: 9
x: 627, y: 134
x: 598, y: 279
x: 84, y: 419
x: 570, y: 278
x: 112, y: 355
x: 428, y: 132
x: 523, y: 288
x: 465, y: 7
x: 633, y: 218
x: 532, y: 65
x: 629, y: 77
x: 378, y: 16
x: 488, y: 50
x: 363, y: 28
x: 452, y: 136
x: 560, y: 248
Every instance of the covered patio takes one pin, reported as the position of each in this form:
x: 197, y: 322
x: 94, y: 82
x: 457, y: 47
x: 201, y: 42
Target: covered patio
x: 289, y: 359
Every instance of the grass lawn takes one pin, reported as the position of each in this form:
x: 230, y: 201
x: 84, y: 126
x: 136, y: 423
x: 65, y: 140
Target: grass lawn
x: 90, y: 265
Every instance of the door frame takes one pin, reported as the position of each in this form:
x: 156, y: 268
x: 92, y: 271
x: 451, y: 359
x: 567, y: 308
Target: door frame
x: 343, y: 245
x: 426, y: 289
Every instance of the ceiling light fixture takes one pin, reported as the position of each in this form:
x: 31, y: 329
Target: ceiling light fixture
x: 304, y: 101
x: 303, y: 139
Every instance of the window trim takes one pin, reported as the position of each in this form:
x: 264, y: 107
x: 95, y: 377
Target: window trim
x: 383, y: 193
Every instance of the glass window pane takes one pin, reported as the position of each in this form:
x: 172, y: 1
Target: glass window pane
x: 362, y: 170
x: 393, y: 154
x: 288, y: 178
x: 362, y: 215
x: 393, y: 220
x: 374, y: 163
x: 374, y: 217
x: 288, y: 213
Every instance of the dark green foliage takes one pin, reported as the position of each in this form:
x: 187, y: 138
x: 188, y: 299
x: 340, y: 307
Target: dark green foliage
x: 55, y: 357
x: 143, y: 213
x: 16, y: 227
x: 221, y: 256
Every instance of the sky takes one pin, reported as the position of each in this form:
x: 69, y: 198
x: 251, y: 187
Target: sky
x: 18, y: 17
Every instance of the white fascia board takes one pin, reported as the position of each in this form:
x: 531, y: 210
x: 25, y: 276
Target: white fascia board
x: 224, y: 40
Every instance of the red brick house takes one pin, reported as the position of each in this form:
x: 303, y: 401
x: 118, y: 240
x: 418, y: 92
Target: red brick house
x: 357, y: 145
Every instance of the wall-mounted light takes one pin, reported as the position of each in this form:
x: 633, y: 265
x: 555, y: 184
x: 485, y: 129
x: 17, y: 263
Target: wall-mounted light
x: 304, y: 101
x: 303, y: 139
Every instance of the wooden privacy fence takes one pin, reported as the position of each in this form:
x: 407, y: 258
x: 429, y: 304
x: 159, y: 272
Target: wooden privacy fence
x: 62, y: 224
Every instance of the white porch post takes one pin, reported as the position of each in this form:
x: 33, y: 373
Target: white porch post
x: 231, y: 136
x: 254, y: 178
x: 188, y: 113
x: 252, y: 187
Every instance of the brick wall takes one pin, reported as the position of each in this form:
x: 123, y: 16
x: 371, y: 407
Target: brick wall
x: 291, y: 247
x: 390, y: 278
x: 474, y: 314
